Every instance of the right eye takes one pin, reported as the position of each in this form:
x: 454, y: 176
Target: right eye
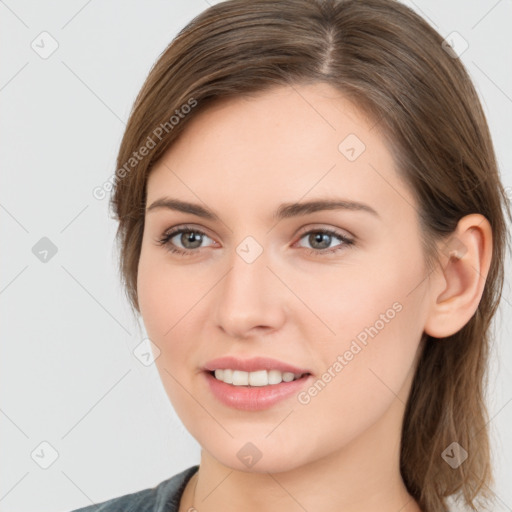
x: 190, y: 239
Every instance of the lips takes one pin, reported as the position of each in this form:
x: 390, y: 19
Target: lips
x: 249, y: 398
x: 252, y: 399
x: 253, y: 364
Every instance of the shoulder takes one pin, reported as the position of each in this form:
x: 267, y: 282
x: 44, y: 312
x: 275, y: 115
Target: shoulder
x: 164, y: 497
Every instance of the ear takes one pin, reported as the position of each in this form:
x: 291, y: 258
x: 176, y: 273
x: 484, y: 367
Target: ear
x: 457, y: 287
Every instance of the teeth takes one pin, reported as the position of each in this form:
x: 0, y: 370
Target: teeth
x: 240, y: 378
x: 274, y: 377
x: 258, y: 378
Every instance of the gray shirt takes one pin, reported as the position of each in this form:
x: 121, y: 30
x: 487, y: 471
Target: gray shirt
x: 164, y: 497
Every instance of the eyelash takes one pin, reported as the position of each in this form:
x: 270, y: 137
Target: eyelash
x: 165, y: 241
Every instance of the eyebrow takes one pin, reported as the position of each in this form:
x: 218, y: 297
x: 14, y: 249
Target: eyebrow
x: 285, y: 210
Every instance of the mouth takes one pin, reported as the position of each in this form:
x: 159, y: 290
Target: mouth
x: 254, y: 395
x: 254, y: 384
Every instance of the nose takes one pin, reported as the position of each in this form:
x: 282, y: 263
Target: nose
x: 250, y: 299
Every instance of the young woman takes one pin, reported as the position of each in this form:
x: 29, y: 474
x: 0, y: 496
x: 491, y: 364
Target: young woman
x: 312, y: 228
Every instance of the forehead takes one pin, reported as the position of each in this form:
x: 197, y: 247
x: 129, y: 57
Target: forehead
x: 280, y: 145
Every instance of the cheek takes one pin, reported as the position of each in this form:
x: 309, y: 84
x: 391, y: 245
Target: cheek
x: 165, y: 297
x: 367, y: 367
x: 375, y: 317
x: 344, y: 300
x: 170, y: 299
x: 154, y: 301
x: 165, y: 294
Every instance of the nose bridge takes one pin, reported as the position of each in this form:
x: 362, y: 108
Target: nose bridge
x: 249, y: 296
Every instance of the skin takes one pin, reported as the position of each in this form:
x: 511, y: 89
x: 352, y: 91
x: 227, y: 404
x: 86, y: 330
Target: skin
x: 242, y: 158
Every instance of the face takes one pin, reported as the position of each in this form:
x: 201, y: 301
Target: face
x: 338, y: 293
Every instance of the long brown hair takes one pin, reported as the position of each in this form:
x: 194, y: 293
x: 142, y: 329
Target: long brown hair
x: 394, y: 66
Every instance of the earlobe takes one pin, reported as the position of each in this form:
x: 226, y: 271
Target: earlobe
x: 457, y: 287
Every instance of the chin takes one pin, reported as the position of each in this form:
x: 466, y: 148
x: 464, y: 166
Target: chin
x: 260, y: 455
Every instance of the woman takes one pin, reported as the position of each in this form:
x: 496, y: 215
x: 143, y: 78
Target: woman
x: 312, y: 228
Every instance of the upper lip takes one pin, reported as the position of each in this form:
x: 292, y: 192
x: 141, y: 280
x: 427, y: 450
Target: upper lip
x: 252, y: 364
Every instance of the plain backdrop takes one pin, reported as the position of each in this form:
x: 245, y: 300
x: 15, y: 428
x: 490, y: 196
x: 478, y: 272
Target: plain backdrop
x: 82, y: 420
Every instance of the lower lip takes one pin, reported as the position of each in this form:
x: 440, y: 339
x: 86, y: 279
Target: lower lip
x: 254, y: 398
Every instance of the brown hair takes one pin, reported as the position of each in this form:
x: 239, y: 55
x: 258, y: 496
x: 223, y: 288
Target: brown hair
x: 391, y: 64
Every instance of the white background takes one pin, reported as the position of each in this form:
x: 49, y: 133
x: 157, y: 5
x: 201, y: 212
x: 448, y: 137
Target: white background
x: 68, y: 375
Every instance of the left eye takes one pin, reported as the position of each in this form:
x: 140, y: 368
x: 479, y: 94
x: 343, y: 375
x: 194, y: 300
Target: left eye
x: 321, y: 239
x: 190, y: 239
